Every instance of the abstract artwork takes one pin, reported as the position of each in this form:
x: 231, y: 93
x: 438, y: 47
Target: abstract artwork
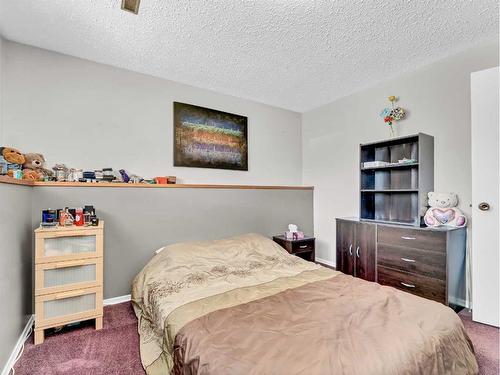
x: 207, y: 138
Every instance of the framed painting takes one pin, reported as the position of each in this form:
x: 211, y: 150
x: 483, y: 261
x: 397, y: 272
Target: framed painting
x: 207, y: 138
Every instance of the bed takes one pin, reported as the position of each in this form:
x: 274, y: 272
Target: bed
x: 243, y: 305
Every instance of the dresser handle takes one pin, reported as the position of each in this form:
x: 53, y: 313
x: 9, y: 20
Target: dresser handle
x: 74, y: 293
x: 303, y: 247
x: 408, y: 238
x: 70, y: 264
x: 350, y: 249
x: 357, y: 251
x: 408, y: 260
x: 407, y: 285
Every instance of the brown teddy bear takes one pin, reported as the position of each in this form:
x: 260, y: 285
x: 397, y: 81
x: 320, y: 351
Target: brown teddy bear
x: 10, y: 159
x: 33, y: 167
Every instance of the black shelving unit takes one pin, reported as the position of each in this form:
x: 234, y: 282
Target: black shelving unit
x: 396, y: 192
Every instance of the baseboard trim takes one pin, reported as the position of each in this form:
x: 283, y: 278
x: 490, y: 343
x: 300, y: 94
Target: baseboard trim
x: 459, y: 302
x: 19, y: 344
x: 326, y: 262
x: 115, y: 300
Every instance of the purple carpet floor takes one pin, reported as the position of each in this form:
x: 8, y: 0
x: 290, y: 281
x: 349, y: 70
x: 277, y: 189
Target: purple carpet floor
x: 81, y: 350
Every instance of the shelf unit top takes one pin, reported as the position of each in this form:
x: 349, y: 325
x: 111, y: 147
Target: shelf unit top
x: 394, y: 141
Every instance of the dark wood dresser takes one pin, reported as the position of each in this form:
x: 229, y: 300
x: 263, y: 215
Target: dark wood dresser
x: 426, y: 262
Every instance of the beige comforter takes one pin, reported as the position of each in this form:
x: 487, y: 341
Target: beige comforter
x: 245, y: 306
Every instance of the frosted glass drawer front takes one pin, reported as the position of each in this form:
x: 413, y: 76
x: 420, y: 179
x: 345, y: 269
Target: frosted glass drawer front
x: 54, y: 309
x: 68, y: 306
x: 64, y: 275
x: 69, y: 275
x: 60, y: 246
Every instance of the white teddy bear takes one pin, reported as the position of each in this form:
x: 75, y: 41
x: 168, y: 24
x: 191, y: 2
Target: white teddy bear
x: 443, y: 211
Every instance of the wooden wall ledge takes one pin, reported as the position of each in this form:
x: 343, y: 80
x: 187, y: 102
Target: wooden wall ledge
x: 8, y: 180
x: 14, y: 181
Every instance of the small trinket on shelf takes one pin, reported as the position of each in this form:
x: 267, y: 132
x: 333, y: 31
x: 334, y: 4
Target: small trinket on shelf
x: 79, y: 220
x: 60, y: 172
x: 65, y: 217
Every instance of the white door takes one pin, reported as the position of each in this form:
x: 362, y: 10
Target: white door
x: 485, y: 197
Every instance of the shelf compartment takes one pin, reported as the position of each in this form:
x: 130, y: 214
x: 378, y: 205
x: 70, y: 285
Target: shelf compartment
x: 389, y: 179
x: 390, y: 206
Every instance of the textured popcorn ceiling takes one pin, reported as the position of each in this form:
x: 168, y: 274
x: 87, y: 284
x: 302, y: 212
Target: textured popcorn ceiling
x: 288, y: 53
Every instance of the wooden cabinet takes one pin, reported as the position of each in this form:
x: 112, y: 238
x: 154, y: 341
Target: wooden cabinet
x: 426, y: 262
x: 365, y: 251
x: 356, y: 249
x: 68, y: 276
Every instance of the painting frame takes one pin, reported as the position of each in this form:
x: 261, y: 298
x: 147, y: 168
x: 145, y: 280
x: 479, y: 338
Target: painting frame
x: 209, y: 138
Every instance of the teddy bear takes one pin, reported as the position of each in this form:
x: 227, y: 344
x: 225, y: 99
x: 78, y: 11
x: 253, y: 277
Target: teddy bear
x: 10, y: 160
x: 33, y: 167
x: 443, y: 211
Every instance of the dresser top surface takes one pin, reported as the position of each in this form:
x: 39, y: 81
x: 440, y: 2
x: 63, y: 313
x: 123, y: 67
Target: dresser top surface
x: 70, y: 228
x: 306, y: 238
x: 402, y: 226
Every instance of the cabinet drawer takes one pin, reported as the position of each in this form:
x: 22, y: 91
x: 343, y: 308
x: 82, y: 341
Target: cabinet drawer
x: 65, y: 307
x: 67, y: 275
x: 419, y: 239
x: 299, y: 246
x: 422, y: 286
x: 418, y: 261
x: 65, y: 247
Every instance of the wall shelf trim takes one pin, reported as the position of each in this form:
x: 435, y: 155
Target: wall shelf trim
x: 8, y: 180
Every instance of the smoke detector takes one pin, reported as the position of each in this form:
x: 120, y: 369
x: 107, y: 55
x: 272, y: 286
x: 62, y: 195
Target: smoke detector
x: 131, y: 6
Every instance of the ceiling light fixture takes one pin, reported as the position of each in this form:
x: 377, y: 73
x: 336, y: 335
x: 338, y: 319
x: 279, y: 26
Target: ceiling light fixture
x: 131, y: 6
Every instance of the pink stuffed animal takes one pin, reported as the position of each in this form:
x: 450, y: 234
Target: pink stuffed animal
x: 443, y: 211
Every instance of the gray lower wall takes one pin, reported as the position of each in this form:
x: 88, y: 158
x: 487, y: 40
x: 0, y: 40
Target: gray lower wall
x: 15, y: 264
x: 139, y: 221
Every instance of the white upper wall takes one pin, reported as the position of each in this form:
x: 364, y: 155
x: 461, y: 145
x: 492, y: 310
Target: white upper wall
x: 437, y: 98
x: 91, y: 116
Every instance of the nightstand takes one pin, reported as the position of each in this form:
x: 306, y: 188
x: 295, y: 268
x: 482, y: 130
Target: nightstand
x: 303, y: 248
x: 68, y: 276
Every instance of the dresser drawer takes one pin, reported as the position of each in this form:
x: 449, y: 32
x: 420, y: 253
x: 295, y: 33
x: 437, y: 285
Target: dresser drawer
x: 418, y: 261
x: 67, y: 246
x: 422, y: 286
x: 66, y: 307
x: 418, y: 239
x: 299, y: 246
x: 66, y: 275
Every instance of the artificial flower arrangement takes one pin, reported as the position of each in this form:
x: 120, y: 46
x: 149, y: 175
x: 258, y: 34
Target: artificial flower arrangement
x: 391, y: 114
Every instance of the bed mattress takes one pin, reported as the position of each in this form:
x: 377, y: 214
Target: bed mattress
x: 245, y: 306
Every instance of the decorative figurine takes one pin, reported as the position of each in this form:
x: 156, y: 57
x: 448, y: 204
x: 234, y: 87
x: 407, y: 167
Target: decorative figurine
x: 392, y: 114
